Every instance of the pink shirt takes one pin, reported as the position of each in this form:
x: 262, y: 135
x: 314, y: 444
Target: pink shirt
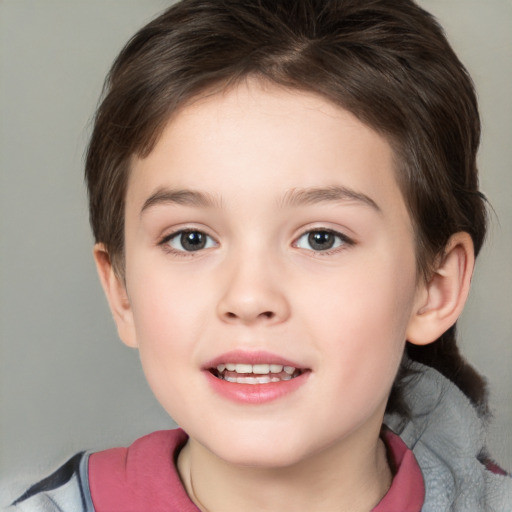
x: 144, y: 477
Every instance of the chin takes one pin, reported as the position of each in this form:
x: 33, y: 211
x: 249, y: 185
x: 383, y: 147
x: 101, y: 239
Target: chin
x: 260, y: 451
x: 259, y: 458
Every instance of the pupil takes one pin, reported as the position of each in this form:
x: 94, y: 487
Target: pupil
x: 321, y: 240
x: 193, y: 240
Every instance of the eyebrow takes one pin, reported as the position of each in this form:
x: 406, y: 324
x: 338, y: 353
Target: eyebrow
x: 293, y: 198
x: 183, y: 197
x: 305, y: 196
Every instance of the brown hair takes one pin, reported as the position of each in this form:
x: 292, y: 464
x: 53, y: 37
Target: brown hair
x: 386, y: 61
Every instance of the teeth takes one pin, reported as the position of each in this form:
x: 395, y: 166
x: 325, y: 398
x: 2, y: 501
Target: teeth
x: 260, y: 369
x: 254, y: 380
x: 257, y: 369
x: 250, y: 380
x: 243, y: 368
x: 255, y: 373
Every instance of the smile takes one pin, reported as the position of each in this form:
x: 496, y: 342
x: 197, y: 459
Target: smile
x: 254, y: 377
x: 242, y: 373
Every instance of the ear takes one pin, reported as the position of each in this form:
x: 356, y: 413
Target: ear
x: 440, y: 301
x: 115, y: 290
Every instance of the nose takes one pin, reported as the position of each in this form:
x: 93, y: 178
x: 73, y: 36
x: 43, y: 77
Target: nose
x: 253, y: 292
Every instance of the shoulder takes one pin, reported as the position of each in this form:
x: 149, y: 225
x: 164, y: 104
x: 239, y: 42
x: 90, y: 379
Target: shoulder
x: 142, y: 476
x: 447, y: 437
x: 407, y: 491
x: 65, y: 490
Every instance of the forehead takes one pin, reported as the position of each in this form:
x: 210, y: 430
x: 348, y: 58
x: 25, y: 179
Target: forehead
x: 259, y: 137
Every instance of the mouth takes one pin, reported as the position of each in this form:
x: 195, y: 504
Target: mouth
x: 262, y: 373
x: 254, y: 377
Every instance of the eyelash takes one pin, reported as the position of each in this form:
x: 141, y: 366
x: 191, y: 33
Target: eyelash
x: 342, y: 242
x: 165, y: 242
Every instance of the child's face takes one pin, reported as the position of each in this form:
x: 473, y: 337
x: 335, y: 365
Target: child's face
x: 298, y: 251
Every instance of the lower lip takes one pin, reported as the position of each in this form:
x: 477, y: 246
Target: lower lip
x: 255, y: 393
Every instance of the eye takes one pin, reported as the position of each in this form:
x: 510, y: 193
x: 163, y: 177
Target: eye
x: 189, y: 241
x: 322, y: 240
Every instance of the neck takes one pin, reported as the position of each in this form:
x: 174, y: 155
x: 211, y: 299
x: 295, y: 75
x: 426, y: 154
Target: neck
x: 351, y: 476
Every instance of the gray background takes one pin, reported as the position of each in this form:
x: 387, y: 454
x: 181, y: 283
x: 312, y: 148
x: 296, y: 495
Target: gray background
x: 67, y: 383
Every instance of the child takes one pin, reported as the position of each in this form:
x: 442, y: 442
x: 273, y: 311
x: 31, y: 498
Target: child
x: 285, y: 204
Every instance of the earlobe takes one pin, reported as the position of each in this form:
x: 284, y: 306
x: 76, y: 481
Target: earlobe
x: 440, y: 301
x: 115, y: 291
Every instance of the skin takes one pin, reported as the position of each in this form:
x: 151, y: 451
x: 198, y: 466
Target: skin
x: 343, y: 314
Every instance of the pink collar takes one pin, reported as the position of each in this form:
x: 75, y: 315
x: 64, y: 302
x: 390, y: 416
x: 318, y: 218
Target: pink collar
x: 407, y: 491
x: 144, y: 476
x: 141, y: 477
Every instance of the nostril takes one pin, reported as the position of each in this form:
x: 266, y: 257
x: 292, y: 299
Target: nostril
x: 265, y: 314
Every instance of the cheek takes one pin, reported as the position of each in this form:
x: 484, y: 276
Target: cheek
x: 372, y: 293
x: 167, y: 310
x: 161, y: 295
x: 363, y: 318
x: 168, y: 331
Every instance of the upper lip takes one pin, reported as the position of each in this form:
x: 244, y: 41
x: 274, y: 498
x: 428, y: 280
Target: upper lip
x: 251, y: 357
